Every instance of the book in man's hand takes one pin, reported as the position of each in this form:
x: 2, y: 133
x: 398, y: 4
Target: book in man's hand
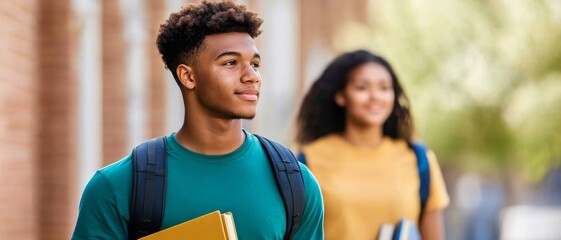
x: 212, y: 226
x: 403, y: 230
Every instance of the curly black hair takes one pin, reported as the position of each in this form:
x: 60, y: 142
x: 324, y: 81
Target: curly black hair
x: 183, y: 33
x: 319, y: 115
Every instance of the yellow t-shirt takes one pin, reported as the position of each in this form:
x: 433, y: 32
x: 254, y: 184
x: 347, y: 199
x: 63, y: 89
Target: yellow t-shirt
x: 365, y: 188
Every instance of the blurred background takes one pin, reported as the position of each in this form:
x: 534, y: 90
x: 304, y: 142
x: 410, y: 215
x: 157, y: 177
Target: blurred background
x: 82, y: 83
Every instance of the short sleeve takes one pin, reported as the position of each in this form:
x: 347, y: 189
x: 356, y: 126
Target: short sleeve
x: 438, y: 196
x: 98, y: 214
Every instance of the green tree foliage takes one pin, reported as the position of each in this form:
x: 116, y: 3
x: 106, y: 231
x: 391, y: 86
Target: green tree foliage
x: 484, y: 77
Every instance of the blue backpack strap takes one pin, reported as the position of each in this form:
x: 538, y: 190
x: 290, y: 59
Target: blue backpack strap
x: 301, y: 158
x: 424, y: 173
x: 149, y: 188
x: 289, y: 181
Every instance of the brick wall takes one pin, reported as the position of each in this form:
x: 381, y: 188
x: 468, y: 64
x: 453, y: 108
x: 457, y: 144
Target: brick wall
x: 115, y: 142
x: 58, y: 120
x: 18, y: 119
x: 156, y: 104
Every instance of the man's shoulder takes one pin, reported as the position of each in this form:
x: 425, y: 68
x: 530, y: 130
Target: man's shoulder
x: 119, y: 170
x: 112, y: 183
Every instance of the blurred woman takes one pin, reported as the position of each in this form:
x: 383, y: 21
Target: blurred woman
x: 355, y: 130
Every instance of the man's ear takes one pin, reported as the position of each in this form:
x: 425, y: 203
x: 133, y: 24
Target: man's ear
x: 186, y: 76
x: 340, y: 99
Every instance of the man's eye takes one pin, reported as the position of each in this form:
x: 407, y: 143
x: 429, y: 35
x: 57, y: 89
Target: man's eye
x: 229, y: 63
x: 255, y: 65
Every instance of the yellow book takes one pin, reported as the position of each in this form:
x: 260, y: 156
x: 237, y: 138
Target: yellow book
x: 212, y: 226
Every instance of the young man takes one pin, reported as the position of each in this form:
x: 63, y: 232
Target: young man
x: 212, y: 163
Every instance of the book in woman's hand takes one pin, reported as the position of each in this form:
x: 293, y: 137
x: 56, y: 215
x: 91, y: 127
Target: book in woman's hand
x: 404, y: 230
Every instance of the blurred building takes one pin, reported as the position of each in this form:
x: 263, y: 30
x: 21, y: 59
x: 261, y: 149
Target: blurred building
x: 81, y: 83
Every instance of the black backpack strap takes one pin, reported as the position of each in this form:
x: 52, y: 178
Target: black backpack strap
x: 289, y: 181
x: 149, y: 188
x: 424, y: 173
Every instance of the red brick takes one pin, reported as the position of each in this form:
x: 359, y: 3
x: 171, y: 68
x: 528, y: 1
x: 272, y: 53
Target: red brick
x: 156, y: 112
x: 18, y: 99
x: 58, y: 116
x: 115, y: 144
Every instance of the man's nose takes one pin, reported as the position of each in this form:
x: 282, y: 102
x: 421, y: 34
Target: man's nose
x: 250, y: 74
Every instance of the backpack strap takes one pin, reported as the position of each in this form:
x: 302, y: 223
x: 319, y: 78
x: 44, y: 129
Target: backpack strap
x: 149, y: 188
x: 424, y: 173
x: 289, y: 181
x: 301, y: 158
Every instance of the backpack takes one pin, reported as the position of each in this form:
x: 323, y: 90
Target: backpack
x: 422, y: 165
x: 149, y: 185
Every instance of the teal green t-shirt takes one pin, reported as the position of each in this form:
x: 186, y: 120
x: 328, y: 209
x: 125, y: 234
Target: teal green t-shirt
x: 240, y: 182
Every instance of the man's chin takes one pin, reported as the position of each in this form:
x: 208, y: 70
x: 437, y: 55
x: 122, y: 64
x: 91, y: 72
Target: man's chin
x: 247, y: 116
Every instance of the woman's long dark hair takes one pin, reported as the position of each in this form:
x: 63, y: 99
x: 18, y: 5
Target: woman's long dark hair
x: 320, y: 115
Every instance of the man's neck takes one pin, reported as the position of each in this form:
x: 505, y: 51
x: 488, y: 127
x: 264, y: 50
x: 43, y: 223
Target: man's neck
x: 211, y: 137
